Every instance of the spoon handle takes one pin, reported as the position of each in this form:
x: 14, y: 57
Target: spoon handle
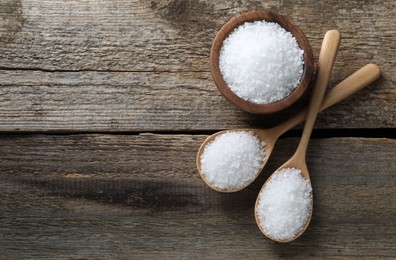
x: 326, y: 60
x: 358, y: 80
x: 352, y: 84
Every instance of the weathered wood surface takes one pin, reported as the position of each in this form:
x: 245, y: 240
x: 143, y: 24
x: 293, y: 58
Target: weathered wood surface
x: 144, y: 65
x: 127, y: 101
x: 174, y: 35
x: 139, y: 196
x: 141, y: 66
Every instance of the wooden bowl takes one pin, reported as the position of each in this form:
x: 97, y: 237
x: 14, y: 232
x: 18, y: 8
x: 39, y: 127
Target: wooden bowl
x: 288, y: 26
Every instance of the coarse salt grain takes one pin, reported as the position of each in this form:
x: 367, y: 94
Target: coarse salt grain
x: 232, y: 160
x: 284, y: 204
x: 261, y: 62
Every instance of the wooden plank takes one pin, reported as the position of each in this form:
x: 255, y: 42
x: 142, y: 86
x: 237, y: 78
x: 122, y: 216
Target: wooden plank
x: 139, y: 196
x: 174, y: 35
x: 141, y: 101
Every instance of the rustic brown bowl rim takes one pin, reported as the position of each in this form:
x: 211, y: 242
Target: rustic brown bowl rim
x: 285, y: 23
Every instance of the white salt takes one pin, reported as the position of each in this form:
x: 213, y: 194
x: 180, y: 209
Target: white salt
x: 261, y: 62
x: 232, y: 160
x: 284, y: 204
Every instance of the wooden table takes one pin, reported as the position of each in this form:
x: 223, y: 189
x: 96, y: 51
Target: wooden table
x: 103, y: 105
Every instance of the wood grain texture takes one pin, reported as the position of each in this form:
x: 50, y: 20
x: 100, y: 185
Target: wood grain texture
x: 139, y: 196
x: 172, y: 37
x: 131, y: 101
x: 141, y: 66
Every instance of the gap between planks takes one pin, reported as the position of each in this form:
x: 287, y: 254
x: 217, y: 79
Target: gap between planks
x: 317, y: 133
x: 100, y: 70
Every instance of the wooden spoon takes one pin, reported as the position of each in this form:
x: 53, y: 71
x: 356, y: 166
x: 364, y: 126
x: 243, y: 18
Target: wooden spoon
x: 326, y: 60
x: 355, y: 82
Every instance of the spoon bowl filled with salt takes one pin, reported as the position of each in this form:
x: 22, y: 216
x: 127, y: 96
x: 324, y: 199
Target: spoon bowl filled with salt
x: 285, y: 203
x: 230, y: 160
x: 261, y: 62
